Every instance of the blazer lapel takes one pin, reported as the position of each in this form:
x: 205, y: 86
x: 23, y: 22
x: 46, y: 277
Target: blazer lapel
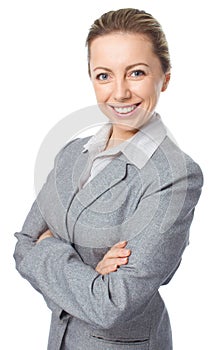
x: 112, y: 174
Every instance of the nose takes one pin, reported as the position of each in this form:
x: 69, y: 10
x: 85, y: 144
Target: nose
x: 121, y: 90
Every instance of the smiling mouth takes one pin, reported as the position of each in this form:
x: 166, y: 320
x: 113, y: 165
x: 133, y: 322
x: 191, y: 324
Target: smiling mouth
x: 125, y: 110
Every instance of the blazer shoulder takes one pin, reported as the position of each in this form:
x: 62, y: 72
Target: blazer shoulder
x: 76, y: 144
x: 170, y: 155
x: 71, y: 149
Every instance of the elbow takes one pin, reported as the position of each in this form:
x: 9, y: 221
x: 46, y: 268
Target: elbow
x: 123, y: 302
x: 17, y: 258
x: 116, y: 315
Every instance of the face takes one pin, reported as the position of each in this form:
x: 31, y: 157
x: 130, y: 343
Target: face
x: 127, y: 78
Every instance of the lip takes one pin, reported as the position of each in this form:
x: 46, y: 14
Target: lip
x: 124, y: 115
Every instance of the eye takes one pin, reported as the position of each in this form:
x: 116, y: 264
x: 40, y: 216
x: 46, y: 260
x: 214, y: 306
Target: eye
x: 102, y: 76
x: 137, y: 73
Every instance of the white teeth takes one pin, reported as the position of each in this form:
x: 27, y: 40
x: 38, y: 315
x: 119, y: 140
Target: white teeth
x: 124, y: 110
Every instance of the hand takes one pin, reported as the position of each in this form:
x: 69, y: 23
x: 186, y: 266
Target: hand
x: 44, y: 235
x: 114, y: 258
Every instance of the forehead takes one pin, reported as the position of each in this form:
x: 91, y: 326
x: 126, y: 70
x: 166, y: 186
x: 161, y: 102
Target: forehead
x: 121, y: 47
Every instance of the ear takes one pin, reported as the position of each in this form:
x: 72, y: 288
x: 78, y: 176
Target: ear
x: 166, y: 81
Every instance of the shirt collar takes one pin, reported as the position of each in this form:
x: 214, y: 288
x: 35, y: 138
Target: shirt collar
x: 138, y: 149
x: 98, y: 141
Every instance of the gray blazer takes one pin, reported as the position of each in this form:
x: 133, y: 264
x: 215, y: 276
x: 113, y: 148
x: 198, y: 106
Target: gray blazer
x: 152, y: 208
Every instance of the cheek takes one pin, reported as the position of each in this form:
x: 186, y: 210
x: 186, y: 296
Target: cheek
x: 101, y: 91
x: 145, y: 90
x: 153, y: 90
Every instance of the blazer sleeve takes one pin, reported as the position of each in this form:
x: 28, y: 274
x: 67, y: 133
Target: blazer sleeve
x: 105, y: 301
x: 33, y: 226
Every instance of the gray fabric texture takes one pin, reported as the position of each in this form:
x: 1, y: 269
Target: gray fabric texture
x: 152, y: 208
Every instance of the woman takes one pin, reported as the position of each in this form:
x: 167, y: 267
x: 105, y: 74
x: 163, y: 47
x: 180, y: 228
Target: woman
x: 112, y: 220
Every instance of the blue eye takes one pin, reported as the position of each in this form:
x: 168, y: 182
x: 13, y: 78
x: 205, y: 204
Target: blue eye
x: 102, y: 76
x: 137, y: 73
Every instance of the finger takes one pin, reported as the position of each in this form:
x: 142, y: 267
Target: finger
x: 120, y: 244
x: 109, y: 263
x: 115, y: 252
x: 41, y: 238
x: 121, y: 261
x: 47, y: 232
x: 44, y: 235
x: 113, y: 267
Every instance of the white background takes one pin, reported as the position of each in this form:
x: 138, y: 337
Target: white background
x: 44, y: 78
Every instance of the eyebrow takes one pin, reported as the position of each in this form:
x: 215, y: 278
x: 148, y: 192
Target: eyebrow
x: 127, y: 68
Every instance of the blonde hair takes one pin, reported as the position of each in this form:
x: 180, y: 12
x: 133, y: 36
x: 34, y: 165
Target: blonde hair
x: 131, y: 20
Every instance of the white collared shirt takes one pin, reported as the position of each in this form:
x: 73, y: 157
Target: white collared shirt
x: 138, y: 148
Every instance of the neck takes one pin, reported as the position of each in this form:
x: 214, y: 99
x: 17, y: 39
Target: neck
x: 118, y: 136
x: 121, y: 134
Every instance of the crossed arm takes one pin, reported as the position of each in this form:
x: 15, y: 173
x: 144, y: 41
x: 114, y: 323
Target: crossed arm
x: 118, y: 255
x: 55, y: 268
